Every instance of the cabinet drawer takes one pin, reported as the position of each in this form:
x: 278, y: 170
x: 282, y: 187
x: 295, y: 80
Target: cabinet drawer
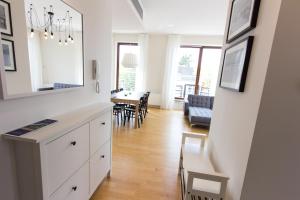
x: 76, y: 188
x: 65, y: 155
x: 100, y: 132
x: 99, y: 166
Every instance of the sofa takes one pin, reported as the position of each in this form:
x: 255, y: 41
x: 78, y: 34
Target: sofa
x: 199, y: 109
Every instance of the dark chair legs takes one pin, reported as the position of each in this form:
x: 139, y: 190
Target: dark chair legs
x: 130, y: 114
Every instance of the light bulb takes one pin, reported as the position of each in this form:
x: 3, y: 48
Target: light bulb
x: 69, y: 38
x: 60, y: 42
x: 46, y: 34
x: 52, y: 35
x: 32, y: 33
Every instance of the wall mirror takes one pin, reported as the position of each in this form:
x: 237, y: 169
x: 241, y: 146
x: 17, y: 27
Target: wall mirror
x: 50, y: 34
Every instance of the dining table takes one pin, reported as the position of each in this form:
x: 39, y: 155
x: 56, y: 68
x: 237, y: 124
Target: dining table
x: 132, y: 98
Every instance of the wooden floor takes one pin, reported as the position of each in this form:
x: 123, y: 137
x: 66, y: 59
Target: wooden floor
x: 145, y: 160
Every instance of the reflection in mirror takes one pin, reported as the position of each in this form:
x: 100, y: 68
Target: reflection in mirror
x: 44, y: 50
x: 54, y: 32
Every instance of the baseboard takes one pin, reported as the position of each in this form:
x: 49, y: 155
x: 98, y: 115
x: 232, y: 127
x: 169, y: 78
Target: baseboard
x: 154, y: 106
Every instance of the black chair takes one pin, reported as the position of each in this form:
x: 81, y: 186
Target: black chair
x: 117, y: 111
x: 145, y: 104
x: 129, y: 112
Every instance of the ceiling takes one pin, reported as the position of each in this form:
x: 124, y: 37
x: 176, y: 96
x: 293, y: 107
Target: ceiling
x: 124, y: 18
x: 195, y: 17
x: 59, y: 8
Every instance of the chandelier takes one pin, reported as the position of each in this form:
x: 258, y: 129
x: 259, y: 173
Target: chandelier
x: 63, y: 28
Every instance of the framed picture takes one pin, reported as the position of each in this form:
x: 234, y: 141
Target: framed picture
x: 5, y: 18
x: 9, y: 59
x: 243, y: 18
x: 235, y: 65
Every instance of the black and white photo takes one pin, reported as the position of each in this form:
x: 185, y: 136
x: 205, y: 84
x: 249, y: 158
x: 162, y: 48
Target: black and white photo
x: 8, y: 51
x: 5, y: 18
x: 243, y: 18
x: 235, y: 65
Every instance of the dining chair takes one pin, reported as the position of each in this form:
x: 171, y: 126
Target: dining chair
x: 113, y: 91
x: 118, y: 111
x: 129, y: 112
x: 145, y: 104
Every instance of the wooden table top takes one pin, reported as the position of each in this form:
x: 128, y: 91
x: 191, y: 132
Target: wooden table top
x: 127, y: 96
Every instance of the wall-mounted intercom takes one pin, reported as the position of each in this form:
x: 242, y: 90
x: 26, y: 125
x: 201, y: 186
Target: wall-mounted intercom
x: 96, y: 74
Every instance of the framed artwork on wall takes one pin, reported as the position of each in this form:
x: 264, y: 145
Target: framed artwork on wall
x: 243, y: 18
x: 5, y: 18
x: 8, y: 51
x: 235, y: 65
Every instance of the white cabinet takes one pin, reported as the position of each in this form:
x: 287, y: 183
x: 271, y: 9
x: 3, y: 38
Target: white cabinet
x: 67, y: 160
x: 99, y: 166
x: 65, y: 155
x: 76, y: 188
x: 99, y: 132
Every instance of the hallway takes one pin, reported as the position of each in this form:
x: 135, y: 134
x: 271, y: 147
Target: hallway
x: 145, y: 160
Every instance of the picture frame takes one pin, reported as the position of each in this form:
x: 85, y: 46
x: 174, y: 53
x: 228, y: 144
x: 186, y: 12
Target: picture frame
x: 8, y: 52
x: 243, y: 18
x: 235, y: 65
x: 5, y: 18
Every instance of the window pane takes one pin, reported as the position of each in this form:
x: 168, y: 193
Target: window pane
x: 187, y: 71
x: 127, y: 76
x: 209, y: 71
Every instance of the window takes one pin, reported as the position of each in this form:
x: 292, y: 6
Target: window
x: 198, y: 69
x: 210, y: 64
x: 126, y: 77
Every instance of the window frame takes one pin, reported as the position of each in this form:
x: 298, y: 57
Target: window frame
x: 198, y: 73
x: 119, y: 44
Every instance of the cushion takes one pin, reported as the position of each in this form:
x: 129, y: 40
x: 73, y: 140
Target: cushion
x: 199, y: 101
x: 198, y: 115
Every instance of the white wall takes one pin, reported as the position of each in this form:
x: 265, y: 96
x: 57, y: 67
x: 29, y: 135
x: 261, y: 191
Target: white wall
x: 69, y: 68
x: 203, y: 40
x: 17, y: 113
x: 156, y: 58
x: 19, y: 81
x: 235, y: 114
x: 273, y: 166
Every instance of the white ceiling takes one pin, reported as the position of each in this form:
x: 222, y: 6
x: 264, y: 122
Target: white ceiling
x: 197, y: 17
x: 59, y: 8
x: 124, y: 18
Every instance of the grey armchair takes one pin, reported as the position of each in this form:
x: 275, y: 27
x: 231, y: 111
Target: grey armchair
x: 199, y: 109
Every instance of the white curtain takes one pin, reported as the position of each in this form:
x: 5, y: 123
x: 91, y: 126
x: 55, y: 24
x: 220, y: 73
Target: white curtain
x: 141, y: 79
x: 170, y: 74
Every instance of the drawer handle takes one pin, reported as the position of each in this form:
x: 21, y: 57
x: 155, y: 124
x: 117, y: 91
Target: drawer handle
x: 74, y: 188
x: 73, y: 143
x: 103, y: 123
x: 103, y: 156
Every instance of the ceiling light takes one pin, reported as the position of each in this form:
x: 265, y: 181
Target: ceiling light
x: 130, y: 60
x: 32, y: 33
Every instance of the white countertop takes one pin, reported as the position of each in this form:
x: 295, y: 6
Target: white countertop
x: 65, y: 123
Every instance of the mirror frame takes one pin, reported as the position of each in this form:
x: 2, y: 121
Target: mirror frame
x: 3, y: 84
